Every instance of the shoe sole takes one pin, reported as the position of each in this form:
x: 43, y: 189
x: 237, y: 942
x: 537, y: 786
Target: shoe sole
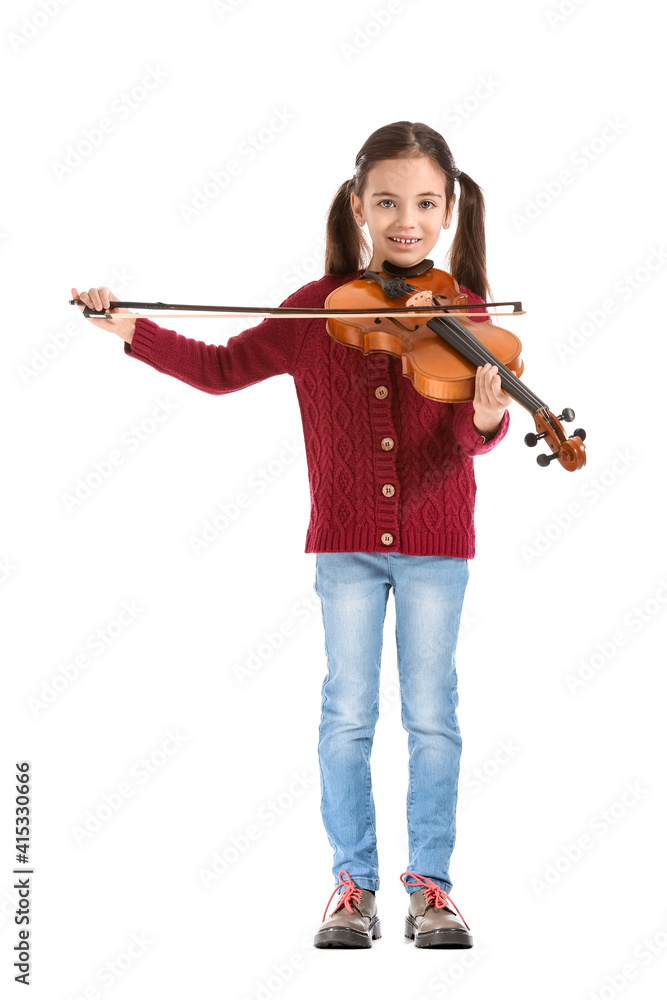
x: 347, y: 937
x: 446, y: 937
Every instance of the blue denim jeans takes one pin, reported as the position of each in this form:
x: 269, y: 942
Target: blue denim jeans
x: 428, y: 595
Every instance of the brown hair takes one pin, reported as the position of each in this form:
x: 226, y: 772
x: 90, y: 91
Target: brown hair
x: 346, y: 246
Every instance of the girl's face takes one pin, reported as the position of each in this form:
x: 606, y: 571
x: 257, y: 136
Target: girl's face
x: 403, y: 198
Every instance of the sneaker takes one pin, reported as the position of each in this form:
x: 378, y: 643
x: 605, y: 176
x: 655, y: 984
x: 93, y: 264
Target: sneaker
x: 431, y: 921
x: 353, y: 922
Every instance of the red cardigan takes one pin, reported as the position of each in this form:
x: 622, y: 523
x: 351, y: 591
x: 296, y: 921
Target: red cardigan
x: 389, y: 470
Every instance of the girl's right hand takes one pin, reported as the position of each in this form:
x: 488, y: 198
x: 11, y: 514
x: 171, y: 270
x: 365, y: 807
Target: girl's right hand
x: 99, y: 298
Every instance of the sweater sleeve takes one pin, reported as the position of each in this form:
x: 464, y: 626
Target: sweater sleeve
x: 465, y: 432
x: 270, y: 348
x: 467, y: 435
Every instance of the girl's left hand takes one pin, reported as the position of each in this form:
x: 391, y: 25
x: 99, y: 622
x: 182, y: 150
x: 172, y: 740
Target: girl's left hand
x: 490, y: 400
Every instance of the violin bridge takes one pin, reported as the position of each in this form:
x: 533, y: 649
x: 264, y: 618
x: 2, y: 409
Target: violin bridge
x: 422, y: 298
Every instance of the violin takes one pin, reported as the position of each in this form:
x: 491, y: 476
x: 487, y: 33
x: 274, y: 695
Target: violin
x: 440, y: 355
x: 431, y: 330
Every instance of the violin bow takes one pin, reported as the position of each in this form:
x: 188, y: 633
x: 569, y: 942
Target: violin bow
x: 152, y: 309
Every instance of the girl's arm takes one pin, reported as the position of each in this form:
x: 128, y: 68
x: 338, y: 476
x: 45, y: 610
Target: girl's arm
x: 270, y: 348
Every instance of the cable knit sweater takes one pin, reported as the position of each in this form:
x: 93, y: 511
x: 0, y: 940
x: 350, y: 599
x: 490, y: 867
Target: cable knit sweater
x: 389, y: 470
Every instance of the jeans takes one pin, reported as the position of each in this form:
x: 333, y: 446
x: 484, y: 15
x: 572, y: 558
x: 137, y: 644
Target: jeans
x: 428, y: 593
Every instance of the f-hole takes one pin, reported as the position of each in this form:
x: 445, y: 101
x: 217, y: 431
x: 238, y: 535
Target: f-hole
x: 399, y: 324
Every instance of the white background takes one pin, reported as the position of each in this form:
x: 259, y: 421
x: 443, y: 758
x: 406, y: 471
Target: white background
x: 521, y: 93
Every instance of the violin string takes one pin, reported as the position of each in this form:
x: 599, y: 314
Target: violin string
x: 478, y: 352
x: 474, y: 350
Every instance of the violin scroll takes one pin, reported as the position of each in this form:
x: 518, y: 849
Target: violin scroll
x: 570, y: 452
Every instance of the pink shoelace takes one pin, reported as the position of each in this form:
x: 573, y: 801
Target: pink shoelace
x: 433, y: 893
x: 351, y: 895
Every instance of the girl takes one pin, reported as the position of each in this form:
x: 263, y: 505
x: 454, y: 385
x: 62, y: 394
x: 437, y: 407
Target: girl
x: 392, y: 498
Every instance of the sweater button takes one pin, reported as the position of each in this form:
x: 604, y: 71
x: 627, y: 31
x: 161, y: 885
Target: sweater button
x: 387, y: 538
x: 387, y: 444
x: 382, y: 392
x: 388, y: 490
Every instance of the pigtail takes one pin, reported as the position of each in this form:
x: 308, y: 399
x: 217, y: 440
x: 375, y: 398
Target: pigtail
x: 346, y: 245
x: 467, y: 254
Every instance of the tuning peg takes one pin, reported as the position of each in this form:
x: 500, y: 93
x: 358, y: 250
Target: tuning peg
x: 532, y: 439
x: 544, y: 460
x: 580, y: 433
x: 567, y: 415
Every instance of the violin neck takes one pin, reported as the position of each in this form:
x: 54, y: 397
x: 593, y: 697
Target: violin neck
x: 462, y: 340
